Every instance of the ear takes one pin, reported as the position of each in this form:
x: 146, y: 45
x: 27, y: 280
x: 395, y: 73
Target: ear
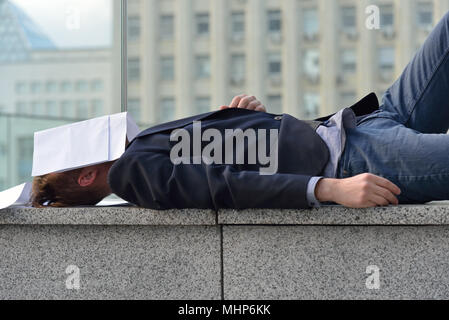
x: 87, y: 176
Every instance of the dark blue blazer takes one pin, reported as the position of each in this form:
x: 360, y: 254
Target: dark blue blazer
x: 145, y: 175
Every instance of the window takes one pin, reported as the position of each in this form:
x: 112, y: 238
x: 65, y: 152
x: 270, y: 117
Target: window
x: 134, y: 109
x: 167, y: 68
x: 348, y: 17
x: 311, y: 105
x: 274, y: 21
x: 66, y: 86
x: 238, y: 25
x: 133, y: 28
x: 167, y: 26
x: 167, y: 112
x: 202, y: 105
x: 238, y: 69
x: 274, y: 64
x: 202, y: 24
x: 97, y: 108
x: 51, y: 108
x: 22, y: 108
x: 81, y: 86
x: 348, y: 60
x: 21, y: 87
x: 134, y: 69
x: 37, y: 108
x: 386, y: 58
x: 386, y: 16
x: 425, y: 15
x: 203, y: 67
x: 96, y: 85
x: 310, y: 22
x: 51, y: 87
x: 82, y: 109
x: 274, y: 104
x: 67, y: 109
x: 347, y: 99
x: 36, y: 87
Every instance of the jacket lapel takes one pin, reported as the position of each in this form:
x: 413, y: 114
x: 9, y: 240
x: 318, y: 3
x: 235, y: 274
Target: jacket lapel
x: 366, y: 106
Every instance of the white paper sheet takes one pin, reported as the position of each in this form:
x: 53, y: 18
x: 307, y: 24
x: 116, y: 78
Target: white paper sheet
x: 18, y: 196
x: 82, y: 144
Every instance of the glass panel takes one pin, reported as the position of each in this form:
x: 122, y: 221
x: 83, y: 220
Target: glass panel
x: 203, y: 105
x: 311, y: 22
x: 202, y: 24
x: 348, y: 18
x: 275, y: 104
x: 274, y: 21
x: 348, y: 60
x: 202, y: 67
x: 238, y: 25
x: 386, y: 16
x: 167, y: 110
x: 59, y: 63
x: 425, y: 15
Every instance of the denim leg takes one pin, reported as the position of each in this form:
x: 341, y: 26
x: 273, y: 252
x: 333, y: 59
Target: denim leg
x: 418, y: 163
x: 419, y: 99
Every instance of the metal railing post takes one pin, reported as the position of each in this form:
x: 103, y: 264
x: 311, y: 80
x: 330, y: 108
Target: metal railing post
x: 124, y: 54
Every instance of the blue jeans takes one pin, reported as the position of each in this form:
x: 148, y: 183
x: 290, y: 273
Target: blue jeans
x: 406, y: 141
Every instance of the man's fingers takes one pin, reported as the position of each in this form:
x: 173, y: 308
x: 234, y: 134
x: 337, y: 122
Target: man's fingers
x: 253, y: 105
x: 261, y: 108
x: 224, y: 107
x: 387, y: 194
x: 378, y: 200
x: 388, y: 185
x: 245, y: 102
x: 235, y: 102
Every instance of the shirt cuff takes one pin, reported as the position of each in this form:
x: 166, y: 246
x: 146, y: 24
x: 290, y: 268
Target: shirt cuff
x: 311, y: 199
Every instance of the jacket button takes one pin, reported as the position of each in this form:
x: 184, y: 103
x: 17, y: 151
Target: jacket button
x: 278, y: 118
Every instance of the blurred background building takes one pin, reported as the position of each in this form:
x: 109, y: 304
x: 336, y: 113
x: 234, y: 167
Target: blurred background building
x: 303, y: 57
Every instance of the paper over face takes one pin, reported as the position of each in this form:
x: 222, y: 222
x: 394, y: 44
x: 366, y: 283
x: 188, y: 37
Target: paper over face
x: 75, y: 146
x: 82, y: 144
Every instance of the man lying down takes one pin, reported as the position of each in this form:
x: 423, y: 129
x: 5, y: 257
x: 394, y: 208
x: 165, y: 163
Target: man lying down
x: 363, y: 156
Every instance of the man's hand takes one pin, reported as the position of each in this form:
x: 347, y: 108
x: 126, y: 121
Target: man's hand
x: 362, y: 191
x: 246, y: 102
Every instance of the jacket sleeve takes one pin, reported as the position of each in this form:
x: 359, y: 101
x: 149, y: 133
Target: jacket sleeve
x: 151, y: 180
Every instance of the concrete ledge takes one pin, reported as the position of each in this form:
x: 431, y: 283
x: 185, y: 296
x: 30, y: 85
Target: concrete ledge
x: 106, y: 216
x: 436, y: 213
x: 128, y: 252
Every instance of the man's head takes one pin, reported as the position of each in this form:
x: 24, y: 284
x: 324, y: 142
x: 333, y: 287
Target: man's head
x: 80, y: 187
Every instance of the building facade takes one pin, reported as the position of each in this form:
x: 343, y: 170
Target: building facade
x: 303, y: 57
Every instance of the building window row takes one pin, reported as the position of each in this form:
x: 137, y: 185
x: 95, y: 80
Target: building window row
x: 38, y: 87
x: 310, y: 22
x: 310, y: 65
x: 81, y: 109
